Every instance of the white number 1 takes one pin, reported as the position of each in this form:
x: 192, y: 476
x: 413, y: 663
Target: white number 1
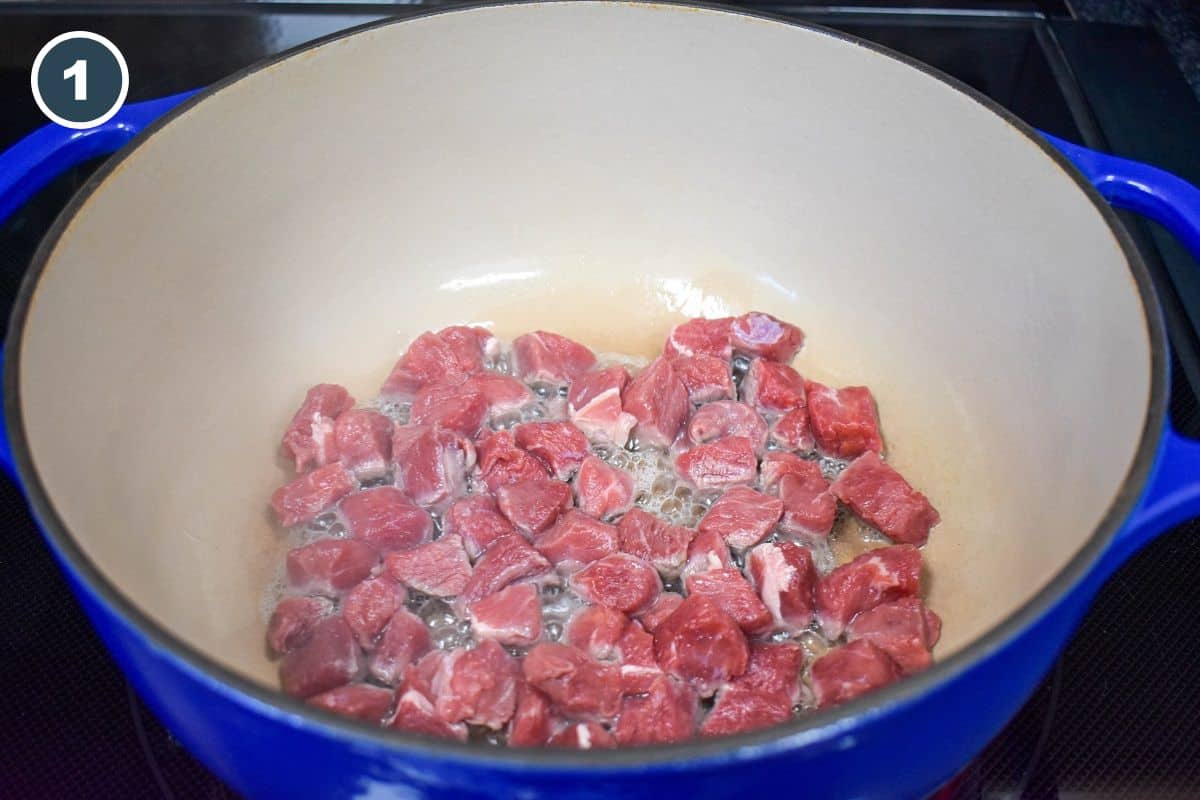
x: 78, y: 72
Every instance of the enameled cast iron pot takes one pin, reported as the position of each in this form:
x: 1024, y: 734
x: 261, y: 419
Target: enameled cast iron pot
x: 601, y: 170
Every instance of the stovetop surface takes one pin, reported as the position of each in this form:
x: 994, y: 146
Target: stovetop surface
x: 1116, y: 717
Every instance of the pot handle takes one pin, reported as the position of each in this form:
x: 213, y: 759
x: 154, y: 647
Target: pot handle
x: 1172, y: 493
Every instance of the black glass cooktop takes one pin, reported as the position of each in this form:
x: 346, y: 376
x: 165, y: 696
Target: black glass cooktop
x: 1116, y: 717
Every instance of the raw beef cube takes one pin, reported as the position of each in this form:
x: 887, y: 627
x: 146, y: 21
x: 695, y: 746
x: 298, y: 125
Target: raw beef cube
x: 719, y: 465
x: 665, y: 713
x: 809, y: 508
x: 850, y: 671
x: 701, y: 644
x: 582, y: 736
x: 619, y: 581
x: 786, y: 579
x: 534, y: 505
x: 706, y: 378
x: 657, y: 541
x: 742, y: 517
x: 658, y: 400
x: 404, y: 640
x: 776, y: 464
x: 477, y: 686
x: 559, y: 445
x: 883, y: 499
x: 364, y: 442
x: 531, y: 722
x: 706, y: 552
x: 368, y: 607
x: 701, y: 337
x: 734, y: 594
x: 502, y: 462
x: 431, y: 464
x: 478, y: 521
x: 904, y: 629
x: 576, y: 684
x: 596, y: 630
x: 759, y: 334
x: 739, y: 710
x: 844, y: 422
x: 773, y: 388
x: 423, y: 672
x: 639, y: 669
x: 774, y: 670
x: 549, y: 357
x: 792, y: 432
x: 440, y: 568
x: 415, y: 714
x: 509, y: 559
x: 330, y: 566
x: 727, y: 418
x: 437, y: 357
x: 293, y: 621
x: 356, y: 700
x: 330, y: 658
x: 877, y: 576
x: 504, y: 395
x: 601, y: 490
x: 385, y: 519
x: 310, y: 439
x: 310, y: 494
x: 594, y: 405
x: 511, y: 616
x: 458, y: 407
x: 663, y: 607
x: 576, y: 540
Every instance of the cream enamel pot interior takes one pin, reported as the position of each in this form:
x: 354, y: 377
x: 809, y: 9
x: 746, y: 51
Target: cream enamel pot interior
x: 602, y: 170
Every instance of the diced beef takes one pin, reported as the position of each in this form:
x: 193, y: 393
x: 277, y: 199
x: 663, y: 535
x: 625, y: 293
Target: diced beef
x: 368, y: 607
x: 356, y: 700
x: 844, y: 421
x: 773, y: 388
x: 904, y: 629
x: 478, y: 521
x: 739, y: 710
x: 774, y: 670
x: 549, y: 357
x: 601, y: 490
x: 646, y: 536
x: 776, y: 464
x: 727, y: 418
x: 596, y: 630
x: 423, y: 672
x: 734, y: 594
x: 663, y: 607
x: 618, y: 581
x: 809, y: 508
x: 576, y: 684
x: 502, y: 462
x: 511, y: 616
x: 742, y: 517
x: 531, y: 722
x: 639, y: 668
x: 594, y: 405
x: 658, y: 400
x: 403, y: 641
x: 440, y: 568
x: 477, y: 686
x: 509, y: 559
x: 438, y: 357
x: 293, y: 620
x: 364, y: 442
x: 431, y: 464
x: 759, y: 334
x: 707, y: 378
x: 559, y: 445
x: 582, y: 736
x: 719, y: 465
x: 310, y: 439
x: 331, y: 566
x: 330, y: 658
x: 881, y: 497
x: 415, y: 713
x: 707, y: 551
x: 850, y: 671
x: 877, y: 576
x: 385, y: 519
x: 310, y: 494
x: 701, y: 336
x: 665, y: 713
x: 504, y: 395
x: 576, y: 540
x: 534, y: 505
x: 786, y: 580
x: 459, y: 407
x: 701, y: 644
x: 792, y: 432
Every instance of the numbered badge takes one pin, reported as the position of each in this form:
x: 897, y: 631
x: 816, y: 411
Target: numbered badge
x: 79, y: 79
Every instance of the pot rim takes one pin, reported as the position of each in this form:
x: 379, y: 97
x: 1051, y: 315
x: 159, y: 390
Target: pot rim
x: 822, y: 726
